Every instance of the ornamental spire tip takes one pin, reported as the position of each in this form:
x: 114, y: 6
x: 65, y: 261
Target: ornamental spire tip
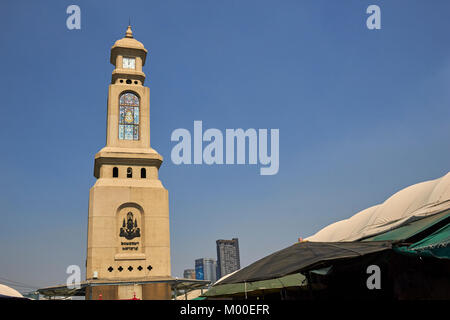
x: 129, y: 33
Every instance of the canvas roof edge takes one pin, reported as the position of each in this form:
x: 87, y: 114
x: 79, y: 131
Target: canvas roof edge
x: 415, y: 230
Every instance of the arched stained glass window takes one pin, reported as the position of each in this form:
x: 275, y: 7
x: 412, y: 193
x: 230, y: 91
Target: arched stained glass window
x: 129, y: 116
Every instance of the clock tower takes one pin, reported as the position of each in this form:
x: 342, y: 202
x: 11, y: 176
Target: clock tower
x: 128, y: 227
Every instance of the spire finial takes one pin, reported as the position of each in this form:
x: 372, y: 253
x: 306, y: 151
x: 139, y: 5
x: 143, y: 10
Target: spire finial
x: 129, y: 33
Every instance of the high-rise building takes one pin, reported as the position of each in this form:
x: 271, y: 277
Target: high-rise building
x: 205, y: 269
x: 189, y: 274
x: 228, y: 259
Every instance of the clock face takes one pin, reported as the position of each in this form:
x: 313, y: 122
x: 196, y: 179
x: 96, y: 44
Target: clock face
x: 129, y: 63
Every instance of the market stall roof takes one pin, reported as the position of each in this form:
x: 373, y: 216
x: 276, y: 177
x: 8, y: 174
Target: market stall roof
x: 292, y: 280
x: 415, y: 229
x: 304, y: 256
x: 176, y: 284
x: 410, y: 204
x: 436, y: 245
x: 8, y: 292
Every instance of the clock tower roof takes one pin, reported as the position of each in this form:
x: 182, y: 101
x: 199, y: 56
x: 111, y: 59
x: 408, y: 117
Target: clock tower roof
x: 128, y: 43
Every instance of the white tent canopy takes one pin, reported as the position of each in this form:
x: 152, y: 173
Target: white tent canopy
x: 412, y: 203
x: 9, y: 292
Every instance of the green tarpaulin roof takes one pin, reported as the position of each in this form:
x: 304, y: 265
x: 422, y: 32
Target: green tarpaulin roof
x: 411, y: 229
x: 435, y: 245
x: 293, y: 280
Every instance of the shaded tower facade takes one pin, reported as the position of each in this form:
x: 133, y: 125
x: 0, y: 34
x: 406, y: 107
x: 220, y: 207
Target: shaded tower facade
x: 228, y: 257
x: 128, y: 226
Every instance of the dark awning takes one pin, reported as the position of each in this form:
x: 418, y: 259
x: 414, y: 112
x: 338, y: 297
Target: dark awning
x: 304, y: 256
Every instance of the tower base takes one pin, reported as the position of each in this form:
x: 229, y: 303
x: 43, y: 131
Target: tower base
x: 150, y: 291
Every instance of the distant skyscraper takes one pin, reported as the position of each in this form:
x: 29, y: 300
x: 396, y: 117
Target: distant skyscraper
x: 205, y: 269
x: 189, y: 274
x: 228, y: 259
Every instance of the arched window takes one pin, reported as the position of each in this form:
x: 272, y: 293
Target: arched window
x: 129, y: 116
x: 129, y: 173
x: 143, y: 173
x: 115, y: 172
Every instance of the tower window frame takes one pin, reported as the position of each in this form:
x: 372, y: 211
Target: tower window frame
x: 143, y: 173
x: 115, y: 173
x: 129, y: 116
x: 129, y: 172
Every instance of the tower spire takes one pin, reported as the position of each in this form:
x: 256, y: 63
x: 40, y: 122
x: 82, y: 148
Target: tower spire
x: 129, y: 33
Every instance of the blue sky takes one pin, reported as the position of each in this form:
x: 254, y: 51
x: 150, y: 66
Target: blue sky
x: 361, y: 113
